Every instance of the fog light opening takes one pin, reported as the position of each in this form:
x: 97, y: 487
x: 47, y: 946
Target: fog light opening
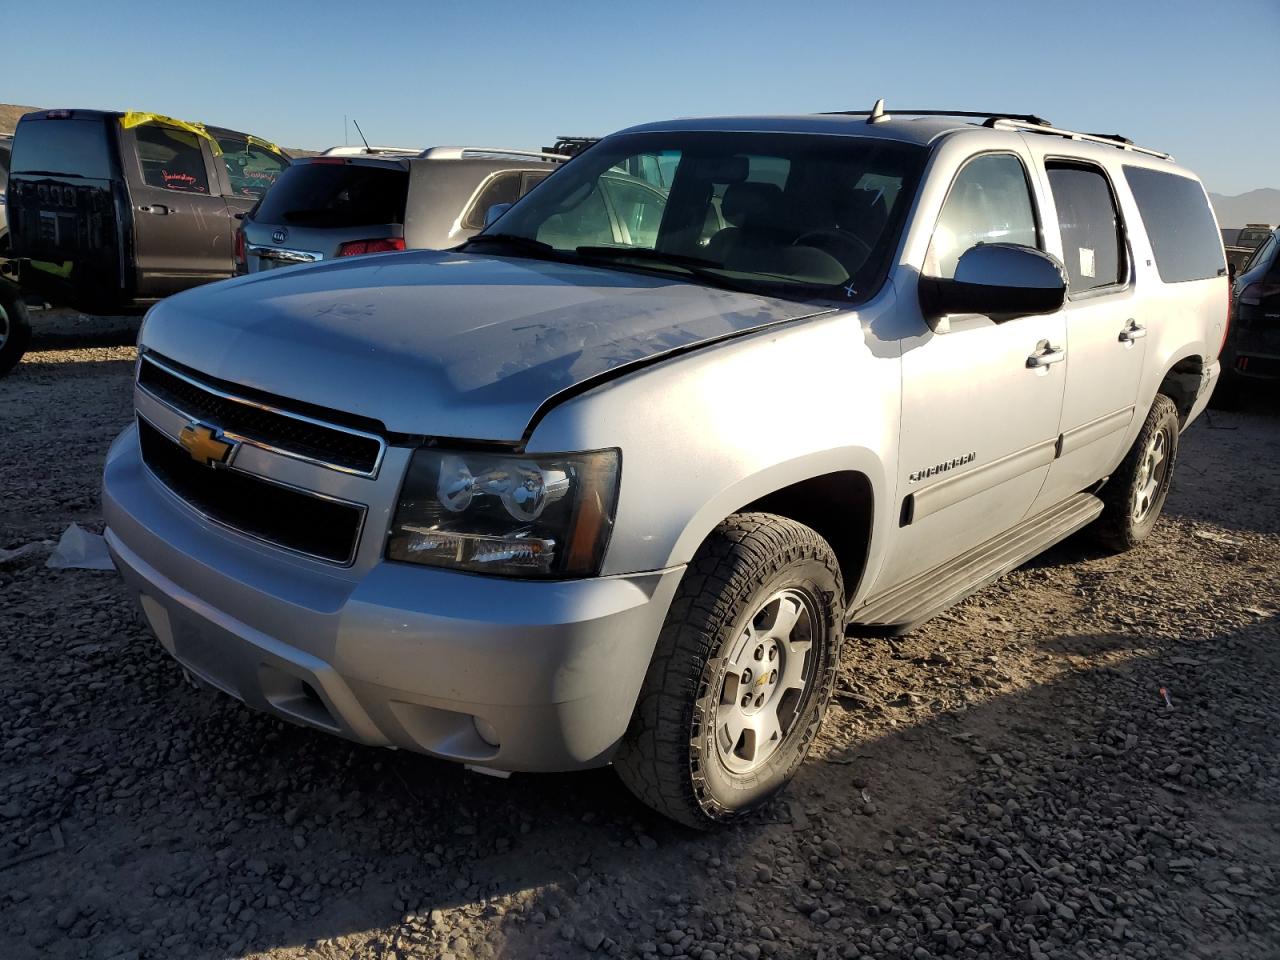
x: 486, y: 731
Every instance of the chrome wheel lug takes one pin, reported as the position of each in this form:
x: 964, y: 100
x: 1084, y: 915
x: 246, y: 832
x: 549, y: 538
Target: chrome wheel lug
x: 759, y: 652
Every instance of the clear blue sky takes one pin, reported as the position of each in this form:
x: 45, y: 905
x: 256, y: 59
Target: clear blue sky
x: 1186, y: 77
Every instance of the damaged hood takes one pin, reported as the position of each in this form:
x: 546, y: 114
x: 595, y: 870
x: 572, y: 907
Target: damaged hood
x: 443, y: 344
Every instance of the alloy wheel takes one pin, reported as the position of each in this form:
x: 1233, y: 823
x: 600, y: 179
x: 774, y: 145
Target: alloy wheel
x: 1151, y: 476
x: 764, y: 682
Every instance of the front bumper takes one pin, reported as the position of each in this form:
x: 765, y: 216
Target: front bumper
x: 389, y: 654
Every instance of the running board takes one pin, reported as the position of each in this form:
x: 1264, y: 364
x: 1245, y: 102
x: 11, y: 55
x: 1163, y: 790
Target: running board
x: 910, y: 604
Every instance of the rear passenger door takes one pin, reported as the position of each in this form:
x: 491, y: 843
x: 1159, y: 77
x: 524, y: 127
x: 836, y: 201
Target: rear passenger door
x: 1107, y: 324
x: 181, y: 233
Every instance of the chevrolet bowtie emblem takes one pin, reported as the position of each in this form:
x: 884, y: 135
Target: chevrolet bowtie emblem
x: 204, y: 445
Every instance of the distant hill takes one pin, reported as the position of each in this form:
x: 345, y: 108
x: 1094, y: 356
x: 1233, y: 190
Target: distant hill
x: 11, y: 113
x: 1256, y: 206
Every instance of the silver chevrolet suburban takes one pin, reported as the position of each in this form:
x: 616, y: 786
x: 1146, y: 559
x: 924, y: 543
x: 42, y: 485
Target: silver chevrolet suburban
x: 610, y: 482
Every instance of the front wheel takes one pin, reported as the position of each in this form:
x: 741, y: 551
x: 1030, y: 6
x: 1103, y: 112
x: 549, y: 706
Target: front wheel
x: 15, y: 327
x: 742, y: 674
x: 1136, y: 492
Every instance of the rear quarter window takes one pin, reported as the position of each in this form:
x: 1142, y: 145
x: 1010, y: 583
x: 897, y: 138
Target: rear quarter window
x: 1175, y: 211
x: 334, y: 195
x: 62, y: 147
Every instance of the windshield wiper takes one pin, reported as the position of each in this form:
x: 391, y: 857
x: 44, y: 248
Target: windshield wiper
x: 708, y: 271
x: 644, y: 253
x: 512, y: 240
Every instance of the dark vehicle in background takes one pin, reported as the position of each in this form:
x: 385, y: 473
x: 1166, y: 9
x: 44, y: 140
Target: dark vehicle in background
x: 6, y: 150
x: 15, y: 329
x: 353, y: 201
x: 1246, y: 241
x: 110, y: 212
x: 1252, y: 348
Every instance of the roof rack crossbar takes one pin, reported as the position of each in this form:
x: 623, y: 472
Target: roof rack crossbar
x: 984, y: 114
x: 1109, y: 139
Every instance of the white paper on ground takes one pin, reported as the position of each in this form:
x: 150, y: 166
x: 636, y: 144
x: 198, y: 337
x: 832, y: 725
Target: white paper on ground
x: 80, y: 550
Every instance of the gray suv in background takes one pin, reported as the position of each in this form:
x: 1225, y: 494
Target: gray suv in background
x: 352, y: 201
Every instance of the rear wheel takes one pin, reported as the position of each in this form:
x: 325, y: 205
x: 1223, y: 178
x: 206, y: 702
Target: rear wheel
x: 15, y: 327
x: 1136, y: 492
x: 743, y: 672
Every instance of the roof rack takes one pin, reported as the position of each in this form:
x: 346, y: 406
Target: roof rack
x: 499, y: 153
x: 1005, y: 121
x: 1110, y: 139
x: 877, y: 114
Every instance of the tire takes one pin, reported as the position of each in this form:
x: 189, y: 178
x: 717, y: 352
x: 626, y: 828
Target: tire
x: 15, y: 327
x: 752, y: 576
x: 1133, y: 497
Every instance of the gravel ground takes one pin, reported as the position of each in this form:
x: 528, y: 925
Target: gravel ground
x: 1007, y: 781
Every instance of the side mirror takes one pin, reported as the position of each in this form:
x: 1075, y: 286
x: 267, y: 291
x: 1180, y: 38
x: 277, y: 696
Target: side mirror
x: 998, y: 280
x: 1232, y: 270
x: 495, y: 211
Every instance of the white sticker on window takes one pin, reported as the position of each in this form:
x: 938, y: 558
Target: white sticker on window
x: 1086, y: 262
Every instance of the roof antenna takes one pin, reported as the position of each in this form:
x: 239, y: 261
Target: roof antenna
x: 877, y: 114
x: 362, y: 136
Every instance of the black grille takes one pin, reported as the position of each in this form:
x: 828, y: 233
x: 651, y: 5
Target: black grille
x: 288, y: 518
x: 329, y: 445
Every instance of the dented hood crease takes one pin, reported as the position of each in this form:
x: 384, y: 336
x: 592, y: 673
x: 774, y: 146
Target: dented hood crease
x: 446, y: 344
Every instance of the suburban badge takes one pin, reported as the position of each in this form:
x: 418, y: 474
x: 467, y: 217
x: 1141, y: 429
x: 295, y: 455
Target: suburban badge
x: 942, y: 467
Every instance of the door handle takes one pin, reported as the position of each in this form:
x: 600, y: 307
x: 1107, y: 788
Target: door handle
x: 157, y: 208
x: 1045, y: 355
x: 1132, y: 331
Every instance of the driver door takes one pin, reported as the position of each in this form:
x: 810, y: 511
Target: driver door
x: 979, y: 425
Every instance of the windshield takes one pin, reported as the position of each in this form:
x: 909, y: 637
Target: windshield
x: 787, y: 214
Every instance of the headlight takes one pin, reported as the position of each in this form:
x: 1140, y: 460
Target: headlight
x: 527, y: 516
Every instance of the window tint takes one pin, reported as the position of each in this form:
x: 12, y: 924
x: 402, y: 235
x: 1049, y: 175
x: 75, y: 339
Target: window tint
x: 171, y: 159
x: 336, y: 195
x: 1089, y: 226
x: 502, y: 188
x: 250, y: 168
x: 1176, y: 213
x: 530, y: 181
x: 638, y: 208
x: 988, y: 203
x: 583, y: 220
x: 779, y: 213
x: 62, y: 146
x: 1261, y: 255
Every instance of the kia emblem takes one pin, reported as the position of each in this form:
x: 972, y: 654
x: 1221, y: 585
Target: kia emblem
x: 280, y: 236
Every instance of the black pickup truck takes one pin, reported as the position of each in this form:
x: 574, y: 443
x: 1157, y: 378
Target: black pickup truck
x: 109, y: 212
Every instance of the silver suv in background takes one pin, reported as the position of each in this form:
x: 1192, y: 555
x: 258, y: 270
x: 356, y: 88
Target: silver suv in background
x: 358, y: 200
x: 610, y: 482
